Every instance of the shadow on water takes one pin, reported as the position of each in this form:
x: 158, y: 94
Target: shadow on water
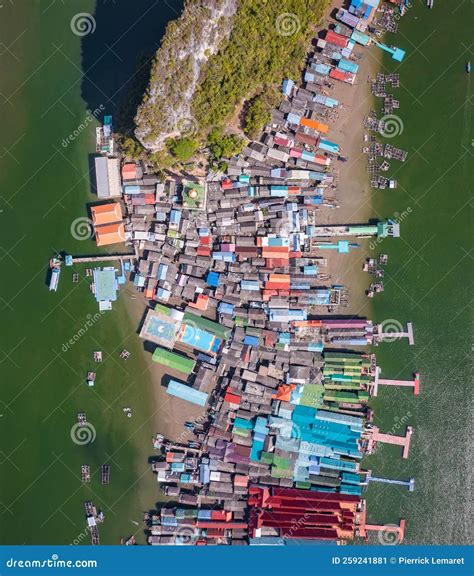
x: 117, y: 56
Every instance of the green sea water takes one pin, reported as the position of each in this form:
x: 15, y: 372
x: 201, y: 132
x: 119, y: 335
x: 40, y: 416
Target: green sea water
x: 429, y: 280
x: 44, y: 187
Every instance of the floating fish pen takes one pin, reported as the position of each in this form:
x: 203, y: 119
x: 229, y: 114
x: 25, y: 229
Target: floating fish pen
x: 394, y: 152
x: 93, y: 517
x: 390, y: 104
x: 81, y: 418
x: 85, y: 473
x: 105, y: 474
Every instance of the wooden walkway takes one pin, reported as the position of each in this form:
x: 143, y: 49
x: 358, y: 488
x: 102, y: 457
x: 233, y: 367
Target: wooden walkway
x: 104, y: 258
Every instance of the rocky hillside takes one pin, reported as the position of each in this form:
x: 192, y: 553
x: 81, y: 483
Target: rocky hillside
x: 218, y: 72
x: 187, y: 45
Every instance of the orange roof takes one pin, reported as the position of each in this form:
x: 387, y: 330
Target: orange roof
x: 110, y: 234
x: 279, y: 278
x: 319, y: 126
x: 201, y: 302
x: 284, y: 392
x: 106, y: 213
x: 129, y: 171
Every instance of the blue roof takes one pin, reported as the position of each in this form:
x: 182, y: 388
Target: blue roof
x: 225, y: 308
x: 251, y: 341
x: 187, y: 393
x: 198, y: 338
x: 287, y: 86
x: 213, y: 279
x: 175, y: 216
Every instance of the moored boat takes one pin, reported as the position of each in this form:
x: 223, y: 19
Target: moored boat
x: 54, y: 281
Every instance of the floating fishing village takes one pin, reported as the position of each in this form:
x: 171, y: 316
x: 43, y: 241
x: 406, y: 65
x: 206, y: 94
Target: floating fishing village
x: 245, y: 315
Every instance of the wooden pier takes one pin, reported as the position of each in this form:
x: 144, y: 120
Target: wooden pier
x: 404, y: 441
x: 391, y: 336
x: 102, y: 258
x: 415, y: 383
x: 398, y: 531
x: 410, y: 484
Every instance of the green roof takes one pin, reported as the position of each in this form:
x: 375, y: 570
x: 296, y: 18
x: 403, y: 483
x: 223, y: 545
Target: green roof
x: 174, y: 361
x: 207, y: 325
x: 312, y: 395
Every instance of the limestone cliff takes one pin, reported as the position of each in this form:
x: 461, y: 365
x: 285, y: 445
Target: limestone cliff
x: 187, y: 45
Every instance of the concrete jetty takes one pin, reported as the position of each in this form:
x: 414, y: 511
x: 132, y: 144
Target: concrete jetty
x: 381, y: 336
x: 414, y: 383
x: 404, y: 441
x: 398, y: 531
x: 410, y: 484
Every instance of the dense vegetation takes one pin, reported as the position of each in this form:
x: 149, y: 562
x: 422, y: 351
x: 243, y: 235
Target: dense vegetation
x: 268, y: 41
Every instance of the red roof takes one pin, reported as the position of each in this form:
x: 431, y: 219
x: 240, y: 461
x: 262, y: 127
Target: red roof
x: 338, y: 39
x: 232, y: 398
x: 341, y: 75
